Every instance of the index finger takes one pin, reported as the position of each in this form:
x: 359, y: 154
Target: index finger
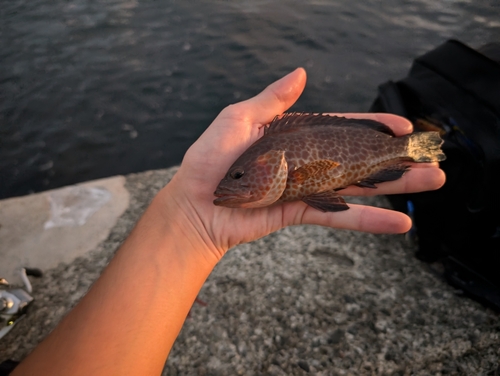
x: 398, y: 124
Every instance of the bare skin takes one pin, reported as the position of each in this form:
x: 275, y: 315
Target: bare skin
x: 164, y: 262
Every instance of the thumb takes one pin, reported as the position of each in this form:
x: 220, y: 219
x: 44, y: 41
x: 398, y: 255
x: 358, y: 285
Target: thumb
x: 274, y: 99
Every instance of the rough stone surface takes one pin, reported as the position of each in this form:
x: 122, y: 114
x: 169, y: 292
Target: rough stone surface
x: 305, y: 300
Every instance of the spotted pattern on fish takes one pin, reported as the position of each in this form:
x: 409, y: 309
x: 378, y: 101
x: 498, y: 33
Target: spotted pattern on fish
x: 303, y: 155
x: 358, y: 158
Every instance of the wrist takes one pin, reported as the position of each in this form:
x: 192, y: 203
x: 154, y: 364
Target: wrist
x: 180, y: 220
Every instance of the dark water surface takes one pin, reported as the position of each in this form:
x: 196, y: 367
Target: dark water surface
x: 90, y: 89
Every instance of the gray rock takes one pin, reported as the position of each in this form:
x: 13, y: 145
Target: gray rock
x: 344, y: 303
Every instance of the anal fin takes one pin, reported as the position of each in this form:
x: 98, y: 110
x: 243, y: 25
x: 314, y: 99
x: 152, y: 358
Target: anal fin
x: 329, y: 201
x: 387, y: 174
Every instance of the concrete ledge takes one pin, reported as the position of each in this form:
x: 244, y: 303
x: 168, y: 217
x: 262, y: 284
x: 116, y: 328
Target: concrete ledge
x: 303, y: 300
x: 44, y: 229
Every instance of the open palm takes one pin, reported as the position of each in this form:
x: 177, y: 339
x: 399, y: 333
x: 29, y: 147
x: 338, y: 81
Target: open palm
x: 240, y: 125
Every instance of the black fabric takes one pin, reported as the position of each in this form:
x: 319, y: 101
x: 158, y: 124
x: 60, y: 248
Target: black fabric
x: 465, y: 68
x: 456, y: 90
x: 7, y: 367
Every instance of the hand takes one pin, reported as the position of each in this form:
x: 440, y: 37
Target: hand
x: 232, y: 132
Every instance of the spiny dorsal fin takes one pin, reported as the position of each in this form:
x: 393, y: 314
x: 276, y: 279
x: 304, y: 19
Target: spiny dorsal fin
x: 292, y: 120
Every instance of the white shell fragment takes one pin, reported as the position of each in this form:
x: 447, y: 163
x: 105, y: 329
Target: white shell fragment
x: 72, y: 206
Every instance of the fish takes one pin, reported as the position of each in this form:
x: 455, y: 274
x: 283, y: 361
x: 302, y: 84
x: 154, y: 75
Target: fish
x: 310, y: 157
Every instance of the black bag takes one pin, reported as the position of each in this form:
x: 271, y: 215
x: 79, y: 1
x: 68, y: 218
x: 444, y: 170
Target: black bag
x: 456, y: 90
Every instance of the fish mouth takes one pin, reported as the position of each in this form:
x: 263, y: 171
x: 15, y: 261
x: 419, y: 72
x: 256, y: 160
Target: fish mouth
x: 228, y: 198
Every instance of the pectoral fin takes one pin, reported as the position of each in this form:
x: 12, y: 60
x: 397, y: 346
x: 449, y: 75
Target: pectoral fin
x: 329, y: 201
x: 316, y: 168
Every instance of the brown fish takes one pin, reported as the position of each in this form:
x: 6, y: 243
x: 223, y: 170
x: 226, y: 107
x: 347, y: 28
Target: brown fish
x: 310, y: 157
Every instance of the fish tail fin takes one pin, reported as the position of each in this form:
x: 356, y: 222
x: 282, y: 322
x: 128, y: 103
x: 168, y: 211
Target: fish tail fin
x: 425, y: 147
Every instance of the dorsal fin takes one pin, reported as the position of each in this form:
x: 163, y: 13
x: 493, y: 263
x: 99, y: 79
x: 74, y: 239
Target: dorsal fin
x: 292, y: 120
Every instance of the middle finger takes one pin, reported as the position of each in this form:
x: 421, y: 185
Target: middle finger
x: 421, y: 177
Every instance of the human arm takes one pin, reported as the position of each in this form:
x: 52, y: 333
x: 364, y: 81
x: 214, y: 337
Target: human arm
x: 162, y: 265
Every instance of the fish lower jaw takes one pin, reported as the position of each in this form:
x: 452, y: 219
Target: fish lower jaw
x: 231, y: 200
x: 239, y: 201
x: 232, y: 195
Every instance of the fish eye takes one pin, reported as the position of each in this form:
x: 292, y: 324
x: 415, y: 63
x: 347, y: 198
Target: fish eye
x: 237, y: 173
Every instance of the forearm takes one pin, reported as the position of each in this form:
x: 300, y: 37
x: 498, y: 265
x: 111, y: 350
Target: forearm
x: 130, y: 318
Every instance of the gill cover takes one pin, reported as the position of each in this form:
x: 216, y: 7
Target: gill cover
x: 270, y: 164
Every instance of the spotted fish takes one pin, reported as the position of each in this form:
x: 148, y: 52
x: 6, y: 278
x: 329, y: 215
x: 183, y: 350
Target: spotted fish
x: 310, y: 157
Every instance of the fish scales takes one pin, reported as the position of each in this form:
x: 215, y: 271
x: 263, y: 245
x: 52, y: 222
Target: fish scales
x: 356, y: 150
x: 310, y: 157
